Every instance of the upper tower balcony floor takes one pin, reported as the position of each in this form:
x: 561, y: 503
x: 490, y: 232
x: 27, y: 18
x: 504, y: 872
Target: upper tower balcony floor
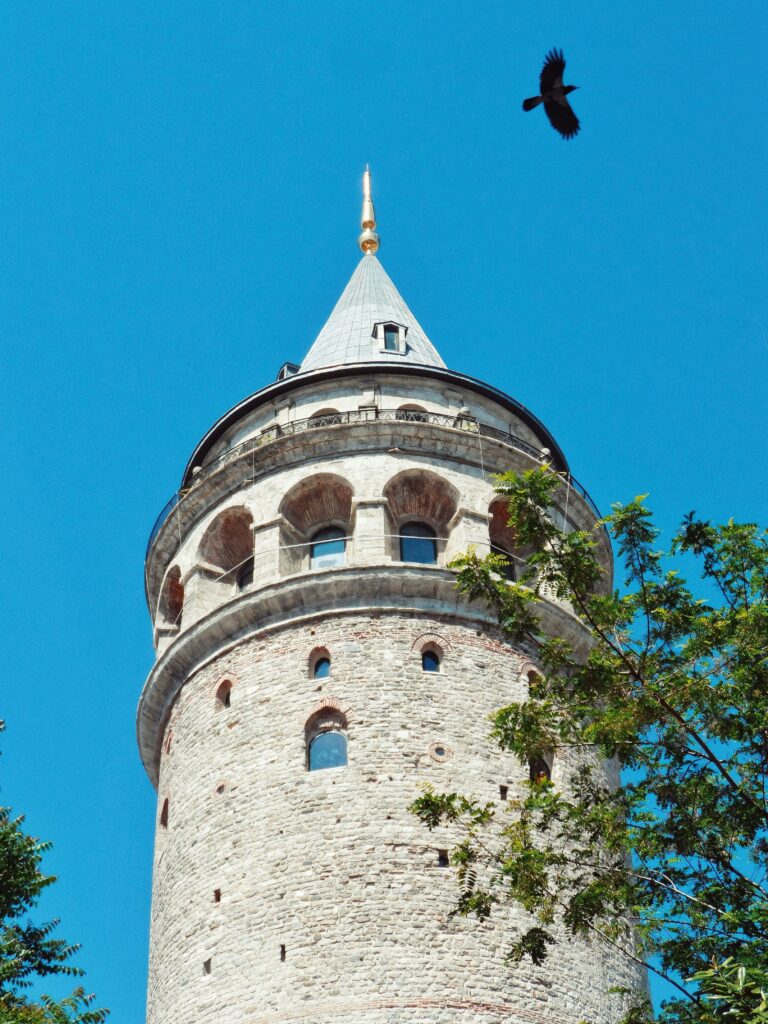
x: 326, y: 451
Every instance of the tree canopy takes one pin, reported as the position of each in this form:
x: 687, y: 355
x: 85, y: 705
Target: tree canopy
x: 674, y: 686
x: 28, y: 951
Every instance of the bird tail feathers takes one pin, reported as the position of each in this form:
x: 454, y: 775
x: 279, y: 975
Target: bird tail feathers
x: 534, y: 101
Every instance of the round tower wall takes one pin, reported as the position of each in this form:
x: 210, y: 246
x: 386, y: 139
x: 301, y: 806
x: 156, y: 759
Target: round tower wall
x: 281, y: 894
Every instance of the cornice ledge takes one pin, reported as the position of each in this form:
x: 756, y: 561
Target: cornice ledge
x: 303, y: 597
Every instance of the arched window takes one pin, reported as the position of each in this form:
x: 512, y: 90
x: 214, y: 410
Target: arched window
x: 412, y: 414
x: 540, y: 769
x: 430, y: 661
x: 321, y: 668
x: 504, y: 541
x: 327, y: 548
x: 324, y: 418
x: 326, y: 737
x: 228, y: 542
x: 315, y: 519
x: 172, y: 597
x: 224, y: 694
x: 508, y: 570
x: 245, y: 574
x: 418, y: 543
x: 327, y: 750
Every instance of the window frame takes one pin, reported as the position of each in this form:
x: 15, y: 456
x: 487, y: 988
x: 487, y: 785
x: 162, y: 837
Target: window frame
x: 430, y: 652
x: 340, y: 535
x: 384, y: 327
x: 402, y: 536
x: 319, y: 736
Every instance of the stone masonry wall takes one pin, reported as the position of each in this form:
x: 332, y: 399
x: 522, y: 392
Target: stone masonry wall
x: 332, y: 905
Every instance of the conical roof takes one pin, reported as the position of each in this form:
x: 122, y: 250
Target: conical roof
x: 348, y: 336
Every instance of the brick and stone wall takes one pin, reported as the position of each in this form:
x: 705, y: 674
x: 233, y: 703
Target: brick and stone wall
x: 285, y: 895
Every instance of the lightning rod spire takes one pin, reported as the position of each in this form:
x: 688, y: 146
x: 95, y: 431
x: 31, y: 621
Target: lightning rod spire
x: 368, y: 240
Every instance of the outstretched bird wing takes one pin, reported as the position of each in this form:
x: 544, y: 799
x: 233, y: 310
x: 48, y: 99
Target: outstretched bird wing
x: 562, y: 117
x: 552, y: 72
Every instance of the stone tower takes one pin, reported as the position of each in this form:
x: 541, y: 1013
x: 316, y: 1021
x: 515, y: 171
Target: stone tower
x: 315, y: 665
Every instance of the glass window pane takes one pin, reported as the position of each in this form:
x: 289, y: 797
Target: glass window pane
x: 327, y: 548
x: 322, y: 668
x: 430, y: 662
x: 391, y: 339
x: 418, y: 544
x: 328, y: 750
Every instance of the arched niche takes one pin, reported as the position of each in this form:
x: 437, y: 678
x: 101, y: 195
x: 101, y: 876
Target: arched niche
x: 419, y: 496
x: 316, y: 516
x: 503, y: 540
x: 227, y: 543
x: 171, y: 603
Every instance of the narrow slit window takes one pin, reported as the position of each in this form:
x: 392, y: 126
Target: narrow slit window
x: 217, y: 895
x: 503, y: 792
x: 282, y: 954
x: 442, y: 858
x: 224, y: 694
x: 164, y: 814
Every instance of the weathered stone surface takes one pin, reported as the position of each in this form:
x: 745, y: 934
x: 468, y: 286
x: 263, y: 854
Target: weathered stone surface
x: 283, y: 895
x: 329, y: 864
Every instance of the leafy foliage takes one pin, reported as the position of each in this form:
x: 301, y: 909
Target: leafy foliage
x: 29, y: 951
x: 671, y: 866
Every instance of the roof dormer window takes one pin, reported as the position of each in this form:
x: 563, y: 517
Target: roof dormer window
x: 391, y: 337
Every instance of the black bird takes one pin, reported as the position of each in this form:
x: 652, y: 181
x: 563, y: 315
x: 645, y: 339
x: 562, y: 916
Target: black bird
x: 554, y: 96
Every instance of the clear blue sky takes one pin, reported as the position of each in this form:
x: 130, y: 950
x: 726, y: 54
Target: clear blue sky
x: 179, y: 193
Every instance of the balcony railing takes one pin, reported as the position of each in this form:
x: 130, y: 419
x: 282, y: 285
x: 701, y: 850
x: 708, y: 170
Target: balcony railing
x: 336, y: 419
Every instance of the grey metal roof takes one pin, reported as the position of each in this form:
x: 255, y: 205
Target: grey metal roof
x: 347, y: 337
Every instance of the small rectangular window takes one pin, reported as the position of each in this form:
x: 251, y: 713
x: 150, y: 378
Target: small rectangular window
x: 217, y: 895
x: 442, y: 858
x: 207, y: 966
x: 391, y: 338
x: 503, y: 791
x: 282, y: 954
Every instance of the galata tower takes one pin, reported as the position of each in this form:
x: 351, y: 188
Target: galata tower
x: 315, y: 666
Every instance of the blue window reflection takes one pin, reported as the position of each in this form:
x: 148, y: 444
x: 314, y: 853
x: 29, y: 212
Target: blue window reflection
x: 327, y: 750
x: 322, y: 668
x: 327, y: 548
x: 418, y: 543
x: 430, y: 662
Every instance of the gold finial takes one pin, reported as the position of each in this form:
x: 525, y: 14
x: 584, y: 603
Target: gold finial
x: 368, y: 240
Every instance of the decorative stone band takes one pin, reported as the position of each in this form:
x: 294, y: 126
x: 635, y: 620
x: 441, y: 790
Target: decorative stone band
x: 317, y: 1012
x: 427, y: 590
x: 495, y: 450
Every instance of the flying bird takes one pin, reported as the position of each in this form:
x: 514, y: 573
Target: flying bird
x: 554, y: 96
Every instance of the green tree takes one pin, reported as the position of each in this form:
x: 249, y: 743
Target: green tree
x: 29, y: 951
x: 675, y: 686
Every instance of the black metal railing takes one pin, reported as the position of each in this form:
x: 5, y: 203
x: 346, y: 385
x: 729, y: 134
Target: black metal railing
x: 371, y: 414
